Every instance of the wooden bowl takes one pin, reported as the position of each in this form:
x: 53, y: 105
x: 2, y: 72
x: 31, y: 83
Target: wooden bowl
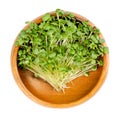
x: 81, y: 88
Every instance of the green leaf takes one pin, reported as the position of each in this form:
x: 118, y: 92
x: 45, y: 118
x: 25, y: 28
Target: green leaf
x: 94, y: 55
x: 37, y: 60
x: 96, y: 31
x: 72, y: 51
x: 86, y: 74
x: 94, y: 39
x: 70, y: 15
x: 19, y: 42
x: 81, y: 47
x: 36, y: 51
x: 20, y: 52
x: 52, y: 55
x: 59, y: 12
x: 50, y: 32
x: 92, y: 45
x: 69, y: 23
x: 100, y: 63
x: 101, y: 41
x: 76, y: 46
x: 106, y: 50
x: 94, y: 68
x: 46, y: 17
x: 93, y: 61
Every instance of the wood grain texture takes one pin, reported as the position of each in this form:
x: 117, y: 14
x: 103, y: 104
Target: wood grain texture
x: 81, y: 89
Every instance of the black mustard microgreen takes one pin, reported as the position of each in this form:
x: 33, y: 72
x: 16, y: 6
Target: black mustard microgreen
x: 60, y: 48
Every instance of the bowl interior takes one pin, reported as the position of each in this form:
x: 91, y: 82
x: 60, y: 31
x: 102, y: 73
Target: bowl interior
x: 80, y: 89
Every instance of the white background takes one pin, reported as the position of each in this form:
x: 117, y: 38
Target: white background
x: 14, y: 105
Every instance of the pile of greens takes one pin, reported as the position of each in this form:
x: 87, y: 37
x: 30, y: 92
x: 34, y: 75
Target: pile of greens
x: 60, y: 48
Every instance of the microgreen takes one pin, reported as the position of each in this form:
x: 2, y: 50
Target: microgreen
x: 60, y: 48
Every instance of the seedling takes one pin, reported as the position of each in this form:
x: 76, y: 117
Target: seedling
x: 60, y: 48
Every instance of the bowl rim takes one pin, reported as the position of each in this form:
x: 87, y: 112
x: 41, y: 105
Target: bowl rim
x: 21, y: 85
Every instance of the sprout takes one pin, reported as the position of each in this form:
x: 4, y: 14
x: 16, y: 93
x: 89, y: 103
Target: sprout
x: 60, y: 49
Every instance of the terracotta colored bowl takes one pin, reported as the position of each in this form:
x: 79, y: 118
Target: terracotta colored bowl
x: 81, y: 89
